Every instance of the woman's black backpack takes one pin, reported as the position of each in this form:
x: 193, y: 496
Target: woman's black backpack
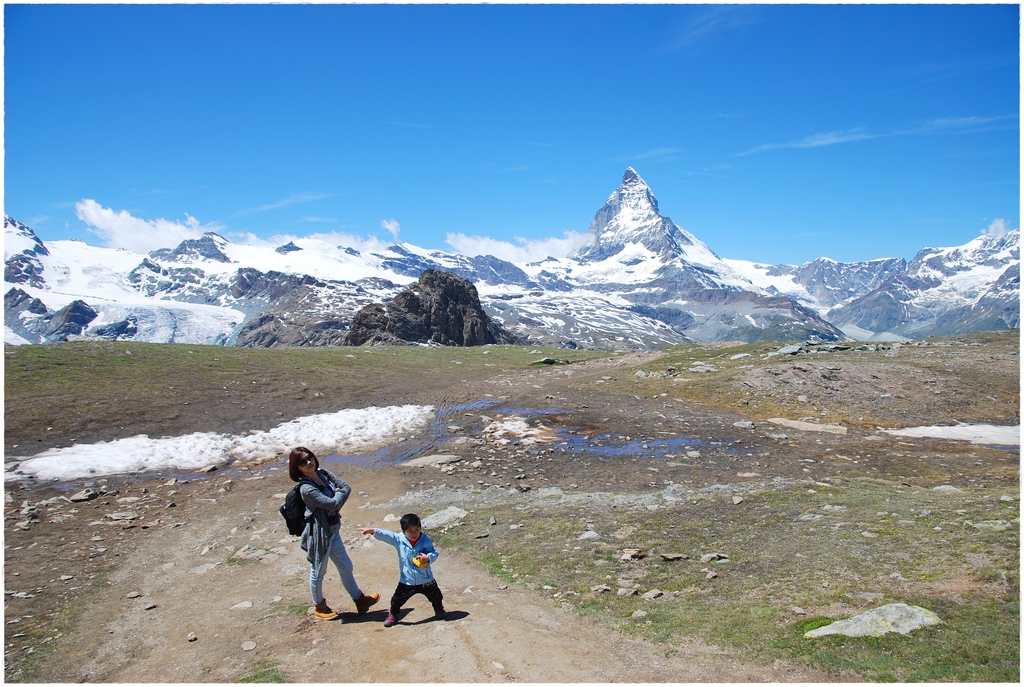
x: 294, y: 511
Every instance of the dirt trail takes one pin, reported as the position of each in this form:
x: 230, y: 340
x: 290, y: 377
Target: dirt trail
x: 495, y: 633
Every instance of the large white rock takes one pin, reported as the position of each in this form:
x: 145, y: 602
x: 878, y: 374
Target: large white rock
x: 436, y: 460
x: 879, y: 621
x: 448, y: 516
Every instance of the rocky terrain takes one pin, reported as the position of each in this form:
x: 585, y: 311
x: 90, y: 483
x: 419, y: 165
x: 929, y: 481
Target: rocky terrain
x: 193, y: 578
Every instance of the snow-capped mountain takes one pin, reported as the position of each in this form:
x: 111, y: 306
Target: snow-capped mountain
x: 641, y: 282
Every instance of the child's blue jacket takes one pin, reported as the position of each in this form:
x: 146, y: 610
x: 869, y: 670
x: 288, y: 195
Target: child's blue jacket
x: 408, y: 573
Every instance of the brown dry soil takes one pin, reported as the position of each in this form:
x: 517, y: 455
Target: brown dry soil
x: 166, y: 597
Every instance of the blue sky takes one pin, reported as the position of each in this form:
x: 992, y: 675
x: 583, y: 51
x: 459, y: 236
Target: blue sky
x: 775, y: 133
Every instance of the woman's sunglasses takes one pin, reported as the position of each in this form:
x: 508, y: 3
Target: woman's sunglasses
x: 304, y: 461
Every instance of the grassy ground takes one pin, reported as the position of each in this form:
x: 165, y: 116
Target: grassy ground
x: 831, y: 552
x: 855, y: 388
x: 108, y: 389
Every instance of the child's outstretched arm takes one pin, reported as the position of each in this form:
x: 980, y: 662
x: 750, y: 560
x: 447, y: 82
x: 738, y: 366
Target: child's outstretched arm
x: 382, y: 535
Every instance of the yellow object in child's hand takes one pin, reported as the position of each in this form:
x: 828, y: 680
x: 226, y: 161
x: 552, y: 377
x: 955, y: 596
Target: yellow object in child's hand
x: 419, y: 562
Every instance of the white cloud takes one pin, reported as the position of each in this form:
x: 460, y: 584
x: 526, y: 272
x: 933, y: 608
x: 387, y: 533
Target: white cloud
x: 522, y: 251
x: 363, y: 244
x: 816, y: 141
x: 122, y: 230
x: 996, y: 230
x: 391, y: 226
x: 284, y: 202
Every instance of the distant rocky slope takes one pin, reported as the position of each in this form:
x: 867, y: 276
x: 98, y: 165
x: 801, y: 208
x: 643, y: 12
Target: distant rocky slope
x: 441, y: 308
x: 642, y: 282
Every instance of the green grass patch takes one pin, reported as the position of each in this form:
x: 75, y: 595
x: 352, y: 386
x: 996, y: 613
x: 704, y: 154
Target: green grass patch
x: 263, y: 671
x: 831, y: 552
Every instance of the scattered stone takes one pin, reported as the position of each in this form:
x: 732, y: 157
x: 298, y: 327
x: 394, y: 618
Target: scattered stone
x: 652, y: 595
x: 241, y: 606
x: 589, y: 534
x: 807, y: 426
x: 797, y: 610
x: 248, y: 646
x: 150, y: 607
x: 879, y: 621
x: 996, y: 525
x: 787, y: 350
x: 446, y: 518
x: 125, y: 515
x: 637, y: 615
x: 134, y: 594
x: 192, y: 636
x: 744, y: 424
x: 625, y: 591
x: 482, y: 535
x: 204, y: 568
x: 492, y: 521
x: 250, y: 553
x: 209, y: 468
x: 710, y: 557
x: 601, y: 588
x: 674, y: 556
x: 737, y: 500
x: 632, y: 554
x: 949, y: 488
x: 435, y: 460
x: 84, y: 495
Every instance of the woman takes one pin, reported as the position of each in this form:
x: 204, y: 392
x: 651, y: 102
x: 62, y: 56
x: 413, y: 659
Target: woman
x: 324, y: 495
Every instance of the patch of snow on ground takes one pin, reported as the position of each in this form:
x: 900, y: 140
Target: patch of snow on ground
x: 343, y: 431
x: 977, y: 434
x: 505, y: 430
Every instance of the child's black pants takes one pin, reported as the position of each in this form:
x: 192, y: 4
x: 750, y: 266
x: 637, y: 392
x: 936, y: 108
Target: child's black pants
x: 404, y: 592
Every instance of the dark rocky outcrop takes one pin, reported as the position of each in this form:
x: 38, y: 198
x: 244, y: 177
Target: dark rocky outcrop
x: 70, y: 320
x: 441, y: 308
x: 209, y: 246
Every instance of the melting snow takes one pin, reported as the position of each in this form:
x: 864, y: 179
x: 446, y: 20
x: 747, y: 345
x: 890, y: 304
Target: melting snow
x: 977, y: 434
x: 344, y: 431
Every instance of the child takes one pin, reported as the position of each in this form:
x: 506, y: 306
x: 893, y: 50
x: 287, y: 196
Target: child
x: 415, y: 554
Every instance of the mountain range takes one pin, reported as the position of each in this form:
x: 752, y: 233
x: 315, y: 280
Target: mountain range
x: 641, y: 282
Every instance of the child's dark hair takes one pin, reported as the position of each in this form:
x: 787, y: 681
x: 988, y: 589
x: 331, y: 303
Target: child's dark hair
x: 409, y: 520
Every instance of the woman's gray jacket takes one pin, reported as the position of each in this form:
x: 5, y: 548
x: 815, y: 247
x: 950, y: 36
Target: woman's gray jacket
x: 320, y: 502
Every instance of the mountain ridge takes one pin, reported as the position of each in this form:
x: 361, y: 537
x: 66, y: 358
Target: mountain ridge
x: 641, y: 282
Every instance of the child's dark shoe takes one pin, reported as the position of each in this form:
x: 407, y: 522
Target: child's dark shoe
x: 441, y: 615
x: 390, y: 620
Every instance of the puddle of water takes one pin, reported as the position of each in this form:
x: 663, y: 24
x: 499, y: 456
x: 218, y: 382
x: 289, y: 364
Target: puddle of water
x: 606, y: 445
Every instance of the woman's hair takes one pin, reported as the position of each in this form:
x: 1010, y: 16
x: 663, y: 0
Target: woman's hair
x: 298, y: 453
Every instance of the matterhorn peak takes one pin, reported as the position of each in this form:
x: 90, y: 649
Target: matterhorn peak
x: 631, y: 216
x: 630, y: 177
